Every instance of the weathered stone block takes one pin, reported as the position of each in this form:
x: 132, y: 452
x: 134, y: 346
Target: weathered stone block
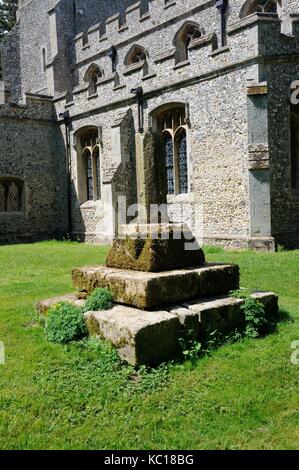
x: 140, y: 337
x: 149, y: 337
x: 44, y: 305
x: 217, y: 279
x: 152, y: 254
x: 147, y: 290
x: 189, y: 320
x: 225, y: 315
x: 139, y: 289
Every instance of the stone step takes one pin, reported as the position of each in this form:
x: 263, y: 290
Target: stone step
x: 44, y: 305
x: 146, y: 290
x: 150, y: 337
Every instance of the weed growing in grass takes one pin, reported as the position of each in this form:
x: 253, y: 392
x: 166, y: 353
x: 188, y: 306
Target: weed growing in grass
x: 255, y: 315
x: 191, y: 349
x: 65, y: 323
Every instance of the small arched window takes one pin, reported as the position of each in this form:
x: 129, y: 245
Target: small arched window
x: 135, y: 55
x: 90, y: 165
x: 295, y: 147
x: 11, y: 195
x: 172, y: 123
x: 92, y: 76
x: 183, y: 38
x: 259, y: 6
x: 136, y: 58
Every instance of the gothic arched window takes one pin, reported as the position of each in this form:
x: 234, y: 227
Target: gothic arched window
x: 90, y: 166
x: 295, y: 147
x: 173, y: 126
x: 185, y: 35
x: 11, y: 195
x: 136, y: 54
x: 259, y: 6
x: 92, y: 76
x: 136, y: 58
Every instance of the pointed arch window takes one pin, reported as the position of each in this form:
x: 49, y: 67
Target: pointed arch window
x: 189, y: 32
x: 91, y: 77
x: 136, y: 59
x: 90, y: 174
x: 172, y: 123
x: 136, y: 54
x: 260, y: 6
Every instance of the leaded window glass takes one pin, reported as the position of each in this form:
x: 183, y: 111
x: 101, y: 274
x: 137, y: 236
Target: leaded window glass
x: 91, y: 165
x: 11, y: 195
x: 169, y: 164
x: 89, y: 176
x: 183, y: 169
x: 172, y: 124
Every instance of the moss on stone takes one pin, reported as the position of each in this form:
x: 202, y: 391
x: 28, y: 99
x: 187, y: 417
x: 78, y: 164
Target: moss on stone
x: 152, y: 255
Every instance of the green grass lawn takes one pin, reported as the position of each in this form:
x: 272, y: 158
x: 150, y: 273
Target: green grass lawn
x: 243, y: 396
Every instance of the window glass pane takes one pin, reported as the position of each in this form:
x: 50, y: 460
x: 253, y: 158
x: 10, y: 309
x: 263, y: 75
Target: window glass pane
x: 13, y: 199
x: 2, y: 198
x: 169, y: 164
x: 89, y: 178
x: 183, y: 170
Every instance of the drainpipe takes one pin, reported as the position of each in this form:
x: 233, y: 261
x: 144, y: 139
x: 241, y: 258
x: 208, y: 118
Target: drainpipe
x: 221, y: 6
x: 138, y: 92
x: 112, y: 54
x: 67, y: 125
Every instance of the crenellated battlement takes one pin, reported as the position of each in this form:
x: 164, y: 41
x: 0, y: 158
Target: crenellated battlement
x: 136, y: 21
x: 253, y: 40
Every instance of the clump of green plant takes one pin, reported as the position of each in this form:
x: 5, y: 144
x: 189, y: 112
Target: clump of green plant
x: 65, y: 323
x: 254, y: 310
x: 190, y: 348
x: 100, y: 299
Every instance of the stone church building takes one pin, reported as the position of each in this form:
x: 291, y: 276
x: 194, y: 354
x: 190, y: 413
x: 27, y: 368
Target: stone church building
x: 83, y: 80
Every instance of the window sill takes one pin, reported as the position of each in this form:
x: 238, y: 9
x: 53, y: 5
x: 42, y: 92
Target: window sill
x: 12, y: 214
x: 134, y: 67
x: 186, y: 198
x: 89, y: 204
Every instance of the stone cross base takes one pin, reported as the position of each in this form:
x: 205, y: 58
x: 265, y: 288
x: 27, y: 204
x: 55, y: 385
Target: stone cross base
x: 155, y: 248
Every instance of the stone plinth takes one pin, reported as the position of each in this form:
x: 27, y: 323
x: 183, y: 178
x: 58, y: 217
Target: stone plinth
x: 143, y: 337
x: 147, y: 290
x: 154, y: 248
x: 140, y: 337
